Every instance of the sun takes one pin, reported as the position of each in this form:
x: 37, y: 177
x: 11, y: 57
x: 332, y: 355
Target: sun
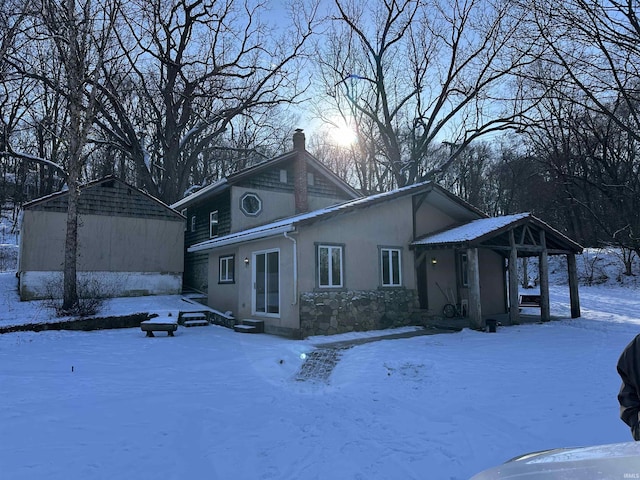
x: 343, y: 135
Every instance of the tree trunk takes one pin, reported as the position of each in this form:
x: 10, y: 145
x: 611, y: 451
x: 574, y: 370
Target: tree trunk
x: 70, y: 293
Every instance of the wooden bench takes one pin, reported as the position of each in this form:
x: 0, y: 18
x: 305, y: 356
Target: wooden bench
x: 529, y: 301
x: 167, y: 324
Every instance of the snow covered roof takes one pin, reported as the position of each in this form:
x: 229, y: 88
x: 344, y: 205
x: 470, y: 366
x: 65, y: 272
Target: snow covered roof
x: 288, y: 224
x: 219, y: 185
x: 472, y: 230
x: 487, y: 231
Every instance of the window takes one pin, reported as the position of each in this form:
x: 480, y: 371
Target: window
x: 391, y: 267
x: 330, y: 269
x: 311, y: 180
x: 213, y: 224
x: 283, y: 176
x: 193, y: 223
x: 227, y: 269
x: 250, y: 204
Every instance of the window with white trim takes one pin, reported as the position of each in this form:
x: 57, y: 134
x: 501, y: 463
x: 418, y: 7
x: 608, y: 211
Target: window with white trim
x: 330, y: 266
x: 227, y: 269
x: 391, y: 266
x: 213, y: 224
x: 251, y: 204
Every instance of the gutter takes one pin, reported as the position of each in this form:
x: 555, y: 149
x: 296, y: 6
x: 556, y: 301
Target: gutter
x: 295, y: 267
x: 247, y: 237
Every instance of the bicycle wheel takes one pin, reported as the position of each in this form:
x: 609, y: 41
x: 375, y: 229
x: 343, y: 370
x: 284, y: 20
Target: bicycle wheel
x: 449, y: 310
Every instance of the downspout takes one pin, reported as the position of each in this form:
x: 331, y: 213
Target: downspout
x: 295, y: 268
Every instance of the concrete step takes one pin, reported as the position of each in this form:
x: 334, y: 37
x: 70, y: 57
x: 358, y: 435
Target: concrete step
x: 250, y: 326
x: 245, y: 328
x: 195, y: 323
x: 257, y: 324
x: 194, y: 319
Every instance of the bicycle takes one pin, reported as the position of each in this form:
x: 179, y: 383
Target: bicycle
x: 450, y: 310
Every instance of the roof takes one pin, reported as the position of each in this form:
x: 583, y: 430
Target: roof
x: 471, y: 231
x: 289, y: 224
x: 227, y: 182
x: 488, y: 232
x: 211, y: 189
x: 117, y: 198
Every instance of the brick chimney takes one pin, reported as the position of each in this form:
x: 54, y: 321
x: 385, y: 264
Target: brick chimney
x: 300, y: 173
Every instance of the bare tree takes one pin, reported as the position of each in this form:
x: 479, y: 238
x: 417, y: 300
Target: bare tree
x: 594, y: 46
x: 424, y: 72
x: 78, y: 38
x: 194, y: 67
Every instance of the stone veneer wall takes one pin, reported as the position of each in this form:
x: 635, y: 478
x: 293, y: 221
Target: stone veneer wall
x: 328, y: 313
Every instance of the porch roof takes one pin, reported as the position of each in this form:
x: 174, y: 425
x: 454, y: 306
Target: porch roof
x: 494, y: 233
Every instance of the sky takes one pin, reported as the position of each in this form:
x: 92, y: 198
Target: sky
x: 210, y: 403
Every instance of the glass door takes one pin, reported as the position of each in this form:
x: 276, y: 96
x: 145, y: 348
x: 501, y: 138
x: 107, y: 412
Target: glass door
x: 266, y: 283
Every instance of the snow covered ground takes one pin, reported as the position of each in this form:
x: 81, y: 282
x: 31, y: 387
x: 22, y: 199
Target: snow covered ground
x: 213, y: 404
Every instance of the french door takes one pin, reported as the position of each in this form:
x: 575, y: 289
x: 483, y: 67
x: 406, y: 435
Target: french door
x: 266, y: 283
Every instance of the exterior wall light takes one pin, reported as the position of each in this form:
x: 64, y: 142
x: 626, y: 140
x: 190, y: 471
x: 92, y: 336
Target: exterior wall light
x: 434, y: 261
x: 246, y: 260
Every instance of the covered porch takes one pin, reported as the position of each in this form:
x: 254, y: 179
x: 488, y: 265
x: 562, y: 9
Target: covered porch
x: 511, y: 237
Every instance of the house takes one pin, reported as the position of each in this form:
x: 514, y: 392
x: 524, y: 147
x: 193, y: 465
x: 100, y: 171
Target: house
x: 385, y: 260
x: 280, y: 187
x: 288, y: 244
x: 129, y: 243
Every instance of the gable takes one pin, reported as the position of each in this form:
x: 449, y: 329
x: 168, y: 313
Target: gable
x: 110, y: 197
x: 266, y: 175
x: 279, y: 176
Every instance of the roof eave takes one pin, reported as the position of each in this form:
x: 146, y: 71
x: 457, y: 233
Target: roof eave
x: 205, y: 192
x: 233, y: 239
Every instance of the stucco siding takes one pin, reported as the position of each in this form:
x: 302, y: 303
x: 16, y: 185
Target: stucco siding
x: 275, y: 205
x: 361, y: 301
x: 429, y: 219
x: 442, y: 281
x: 239, y: 297
x: 361, y: 233
x: 224, y: 296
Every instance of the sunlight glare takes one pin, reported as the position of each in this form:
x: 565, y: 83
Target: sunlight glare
x: 343, y: 135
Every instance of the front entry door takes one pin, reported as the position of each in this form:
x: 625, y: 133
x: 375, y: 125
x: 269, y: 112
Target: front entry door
x: 422, y: 282
x: 266, y: 283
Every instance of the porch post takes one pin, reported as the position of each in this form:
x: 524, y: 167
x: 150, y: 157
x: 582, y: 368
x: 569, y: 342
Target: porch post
x: 543, y: 273
x: 475, y: 307
x: 573, y: 285
x: 514, y: 310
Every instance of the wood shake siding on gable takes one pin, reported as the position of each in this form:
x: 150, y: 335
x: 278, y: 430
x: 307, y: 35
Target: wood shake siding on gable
x: 110, y: 198
x: 270, y: 180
